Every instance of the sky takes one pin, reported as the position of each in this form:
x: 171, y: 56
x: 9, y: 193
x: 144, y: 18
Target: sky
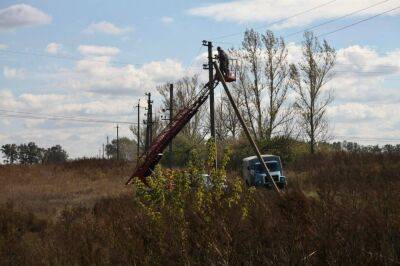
x: 96, y: 59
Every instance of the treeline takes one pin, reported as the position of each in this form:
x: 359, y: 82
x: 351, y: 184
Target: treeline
x: 355, y: 147
x: 30, y: 153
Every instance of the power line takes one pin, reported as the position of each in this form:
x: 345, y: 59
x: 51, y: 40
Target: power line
x: 363, y: 72
x: 358, y: 22
x: 31, y: 113
x: 68, y: 57
x: 335, y: 19
x: 277, y: 21
x: 28, y: 115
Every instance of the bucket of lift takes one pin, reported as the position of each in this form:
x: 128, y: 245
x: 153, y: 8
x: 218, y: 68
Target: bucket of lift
x: 231, y: 77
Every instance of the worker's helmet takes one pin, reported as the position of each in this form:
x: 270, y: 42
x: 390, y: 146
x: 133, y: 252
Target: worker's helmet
x: 218, y: 48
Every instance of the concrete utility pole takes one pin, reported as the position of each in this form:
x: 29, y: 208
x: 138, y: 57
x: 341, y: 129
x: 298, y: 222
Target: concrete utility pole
x: 171, y: 113
x: 169, y: 119
x: 149, y: 122
x: 108, y: 155
x: 117, y: 143
x: 210, y: 68
x: 138, y: 132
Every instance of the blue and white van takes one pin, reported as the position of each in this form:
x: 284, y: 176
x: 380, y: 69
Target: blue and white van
x: 254, y: 174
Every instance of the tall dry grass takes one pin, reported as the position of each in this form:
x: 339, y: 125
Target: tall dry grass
x: 46, y: 189
x: 353, y: 219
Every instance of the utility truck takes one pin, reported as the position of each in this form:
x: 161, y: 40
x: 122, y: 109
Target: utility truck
x: 254, y: 174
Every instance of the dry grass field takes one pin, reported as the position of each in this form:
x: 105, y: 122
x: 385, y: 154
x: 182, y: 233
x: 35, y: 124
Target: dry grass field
x: 46, y: 190
x: 339, y: 209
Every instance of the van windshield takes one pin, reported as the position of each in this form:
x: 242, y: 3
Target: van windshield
x: 273, y: 166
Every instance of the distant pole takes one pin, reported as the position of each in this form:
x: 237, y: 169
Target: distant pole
x: 117, y: 143
x: 108, y: 155
x: 171, y: 113
x: 211, y: 89
x: 149, y: 121
x: 138, y: 132
x: 103, y: 150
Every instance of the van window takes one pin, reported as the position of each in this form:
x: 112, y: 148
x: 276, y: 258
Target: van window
x: 272, y: 166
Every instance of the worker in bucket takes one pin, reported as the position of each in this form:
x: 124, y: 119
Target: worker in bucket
x: 223, y: 62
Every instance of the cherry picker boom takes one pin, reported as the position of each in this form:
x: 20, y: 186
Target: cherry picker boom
x: 151, y: 157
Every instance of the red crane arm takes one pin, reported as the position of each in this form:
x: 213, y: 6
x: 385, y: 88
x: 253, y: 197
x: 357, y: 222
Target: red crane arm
x: 151, y: 158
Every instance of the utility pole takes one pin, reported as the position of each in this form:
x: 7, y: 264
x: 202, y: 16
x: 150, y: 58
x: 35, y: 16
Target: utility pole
x: 149, y: 122
x: 108, y: 155
x: 171, y: 114
x: 117, y: 143
x: 103, y: 151
x: 210, y: 68
x: 138, y: 132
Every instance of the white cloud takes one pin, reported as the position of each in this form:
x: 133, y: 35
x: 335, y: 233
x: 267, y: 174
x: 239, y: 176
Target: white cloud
x: 362, y: 71
x: 106, y: 28
x: 53, y: 48
x: 101, y: 77
x: 79, y: 139
x: 13, y: 73
x: 93, y: 50
x: 7, y: 99
x: 365, y: 120
x: 357, y: 112
x: 245, y: 11
x: 22, y: 15
x: 167, y: 20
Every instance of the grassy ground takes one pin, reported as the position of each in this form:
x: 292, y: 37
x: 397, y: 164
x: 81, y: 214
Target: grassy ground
x: 340, y: 209
x: 46, y: 190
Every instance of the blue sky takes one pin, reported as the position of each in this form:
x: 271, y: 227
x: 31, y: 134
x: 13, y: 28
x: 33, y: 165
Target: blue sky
x: 154, y: 41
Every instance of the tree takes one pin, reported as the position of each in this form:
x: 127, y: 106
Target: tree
x: 29, y: 153
x: 309, y: 80
x: 253, y: 85
x: 263, y: 83
x: 10, y: 152
x: 126, y: 146
x: 186, y: 90
x: 277, y: 79
x: 226, y: 122
x: 55, y: 154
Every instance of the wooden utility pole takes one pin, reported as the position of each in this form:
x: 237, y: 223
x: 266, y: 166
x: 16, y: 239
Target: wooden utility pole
x: 209, y: 66
x: 117, y: 143
x: 103, y: 150
x: 246, y: 130
x: 138, y: 132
